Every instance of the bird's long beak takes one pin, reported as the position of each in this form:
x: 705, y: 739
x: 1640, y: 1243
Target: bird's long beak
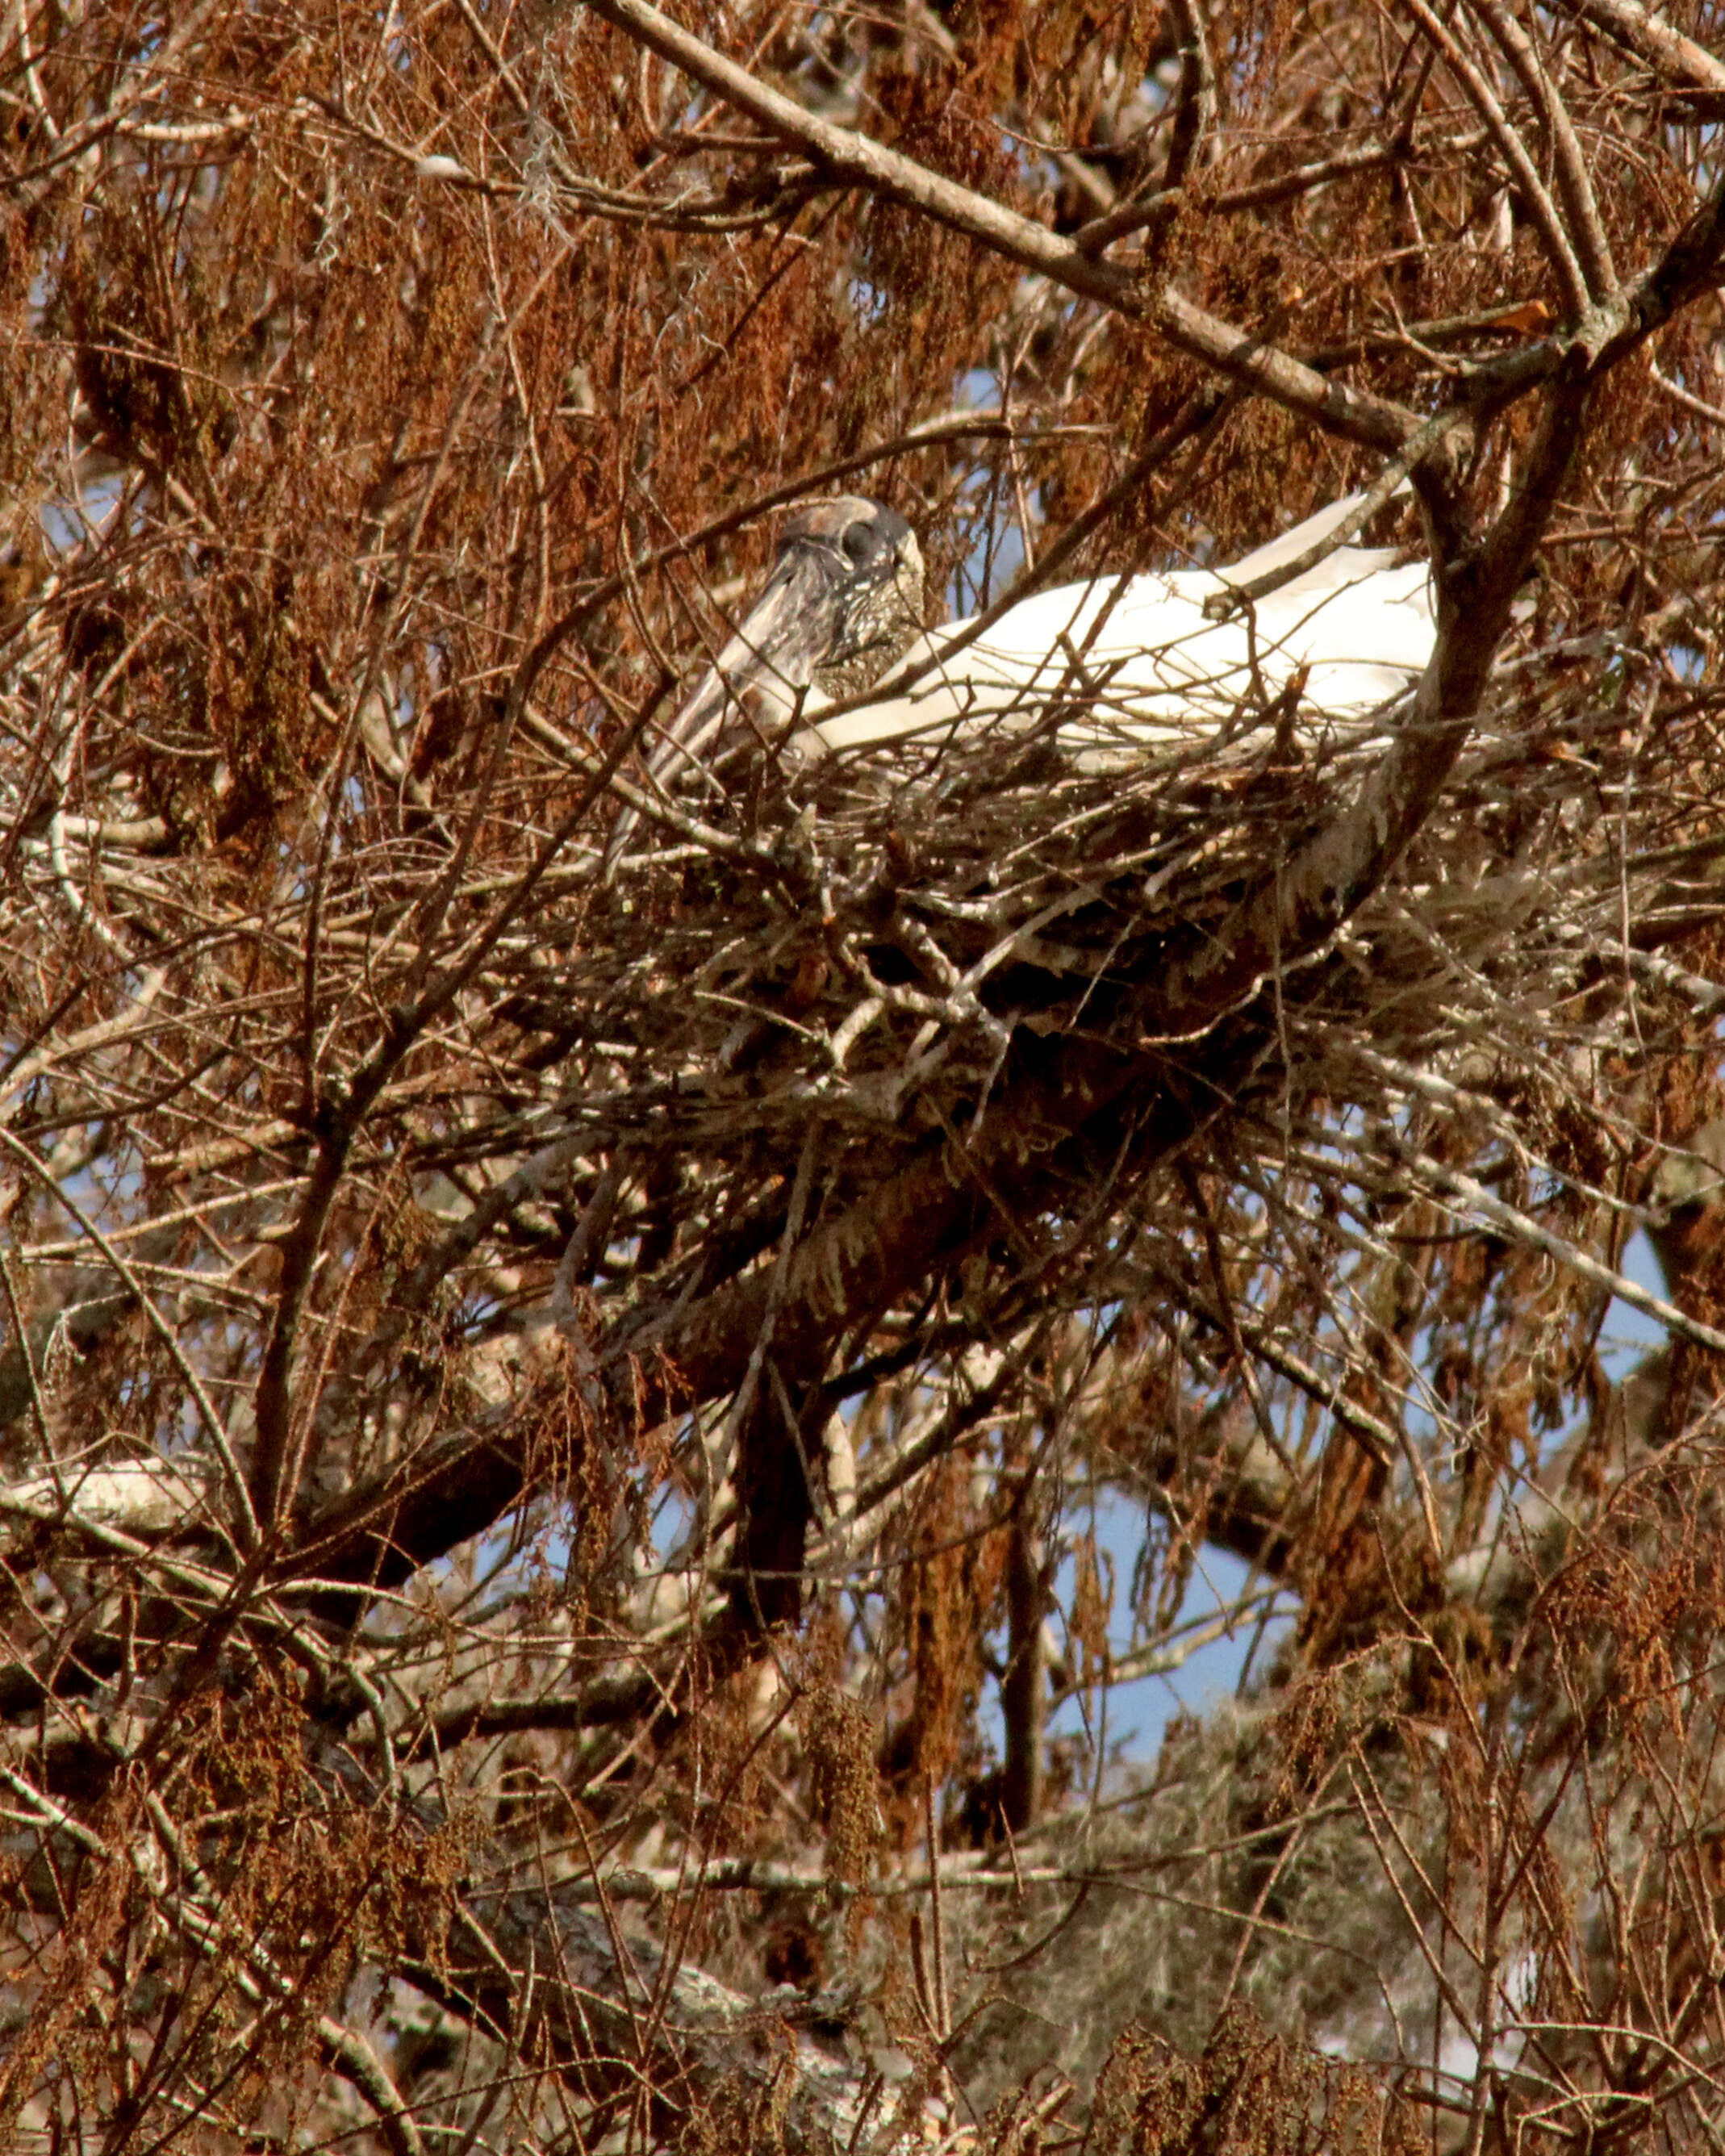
x: 771, y: 658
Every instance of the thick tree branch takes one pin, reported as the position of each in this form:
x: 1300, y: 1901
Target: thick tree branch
x: 852, y: 159
x: 1677, y: 61
x: 1581, y: 208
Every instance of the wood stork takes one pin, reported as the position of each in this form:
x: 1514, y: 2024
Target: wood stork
x: 844, y: 601
x: 1115, y: 666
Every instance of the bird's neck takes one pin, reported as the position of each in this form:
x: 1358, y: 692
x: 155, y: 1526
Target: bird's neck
x: 860, y: 669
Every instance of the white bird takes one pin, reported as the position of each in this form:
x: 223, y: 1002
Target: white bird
x: 1111, y: 668
x: 1126, y: 663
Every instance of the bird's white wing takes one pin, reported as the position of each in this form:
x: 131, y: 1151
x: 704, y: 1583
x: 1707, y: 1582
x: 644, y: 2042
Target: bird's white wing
x: 1126, y: 663
x: 1277, y: 553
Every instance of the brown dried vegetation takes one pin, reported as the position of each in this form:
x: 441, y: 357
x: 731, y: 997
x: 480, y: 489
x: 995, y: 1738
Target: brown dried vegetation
x: 588, y: 1463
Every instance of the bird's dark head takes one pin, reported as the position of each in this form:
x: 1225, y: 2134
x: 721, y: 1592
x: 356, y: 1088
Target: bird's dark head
x: 858, y: 570
x: 844, y: 602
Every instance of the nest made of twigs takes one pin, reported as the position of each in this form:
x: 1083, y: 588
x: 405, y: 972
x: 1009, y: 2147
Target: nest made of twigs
x: 878, y: 928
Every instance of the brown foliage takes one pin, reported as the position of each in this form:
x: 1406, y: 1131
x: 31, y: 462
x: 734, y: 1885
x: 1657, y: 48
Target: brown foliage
x: 566, y: 1423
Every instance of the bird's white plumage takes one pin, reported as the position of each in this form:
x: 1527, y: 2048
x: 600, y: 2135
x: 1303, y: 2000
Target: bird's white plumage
x: 1133, y: 662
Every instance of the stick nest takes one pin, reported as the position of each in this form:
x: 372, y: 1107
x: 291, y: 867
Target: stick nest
x: 865, y: 939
